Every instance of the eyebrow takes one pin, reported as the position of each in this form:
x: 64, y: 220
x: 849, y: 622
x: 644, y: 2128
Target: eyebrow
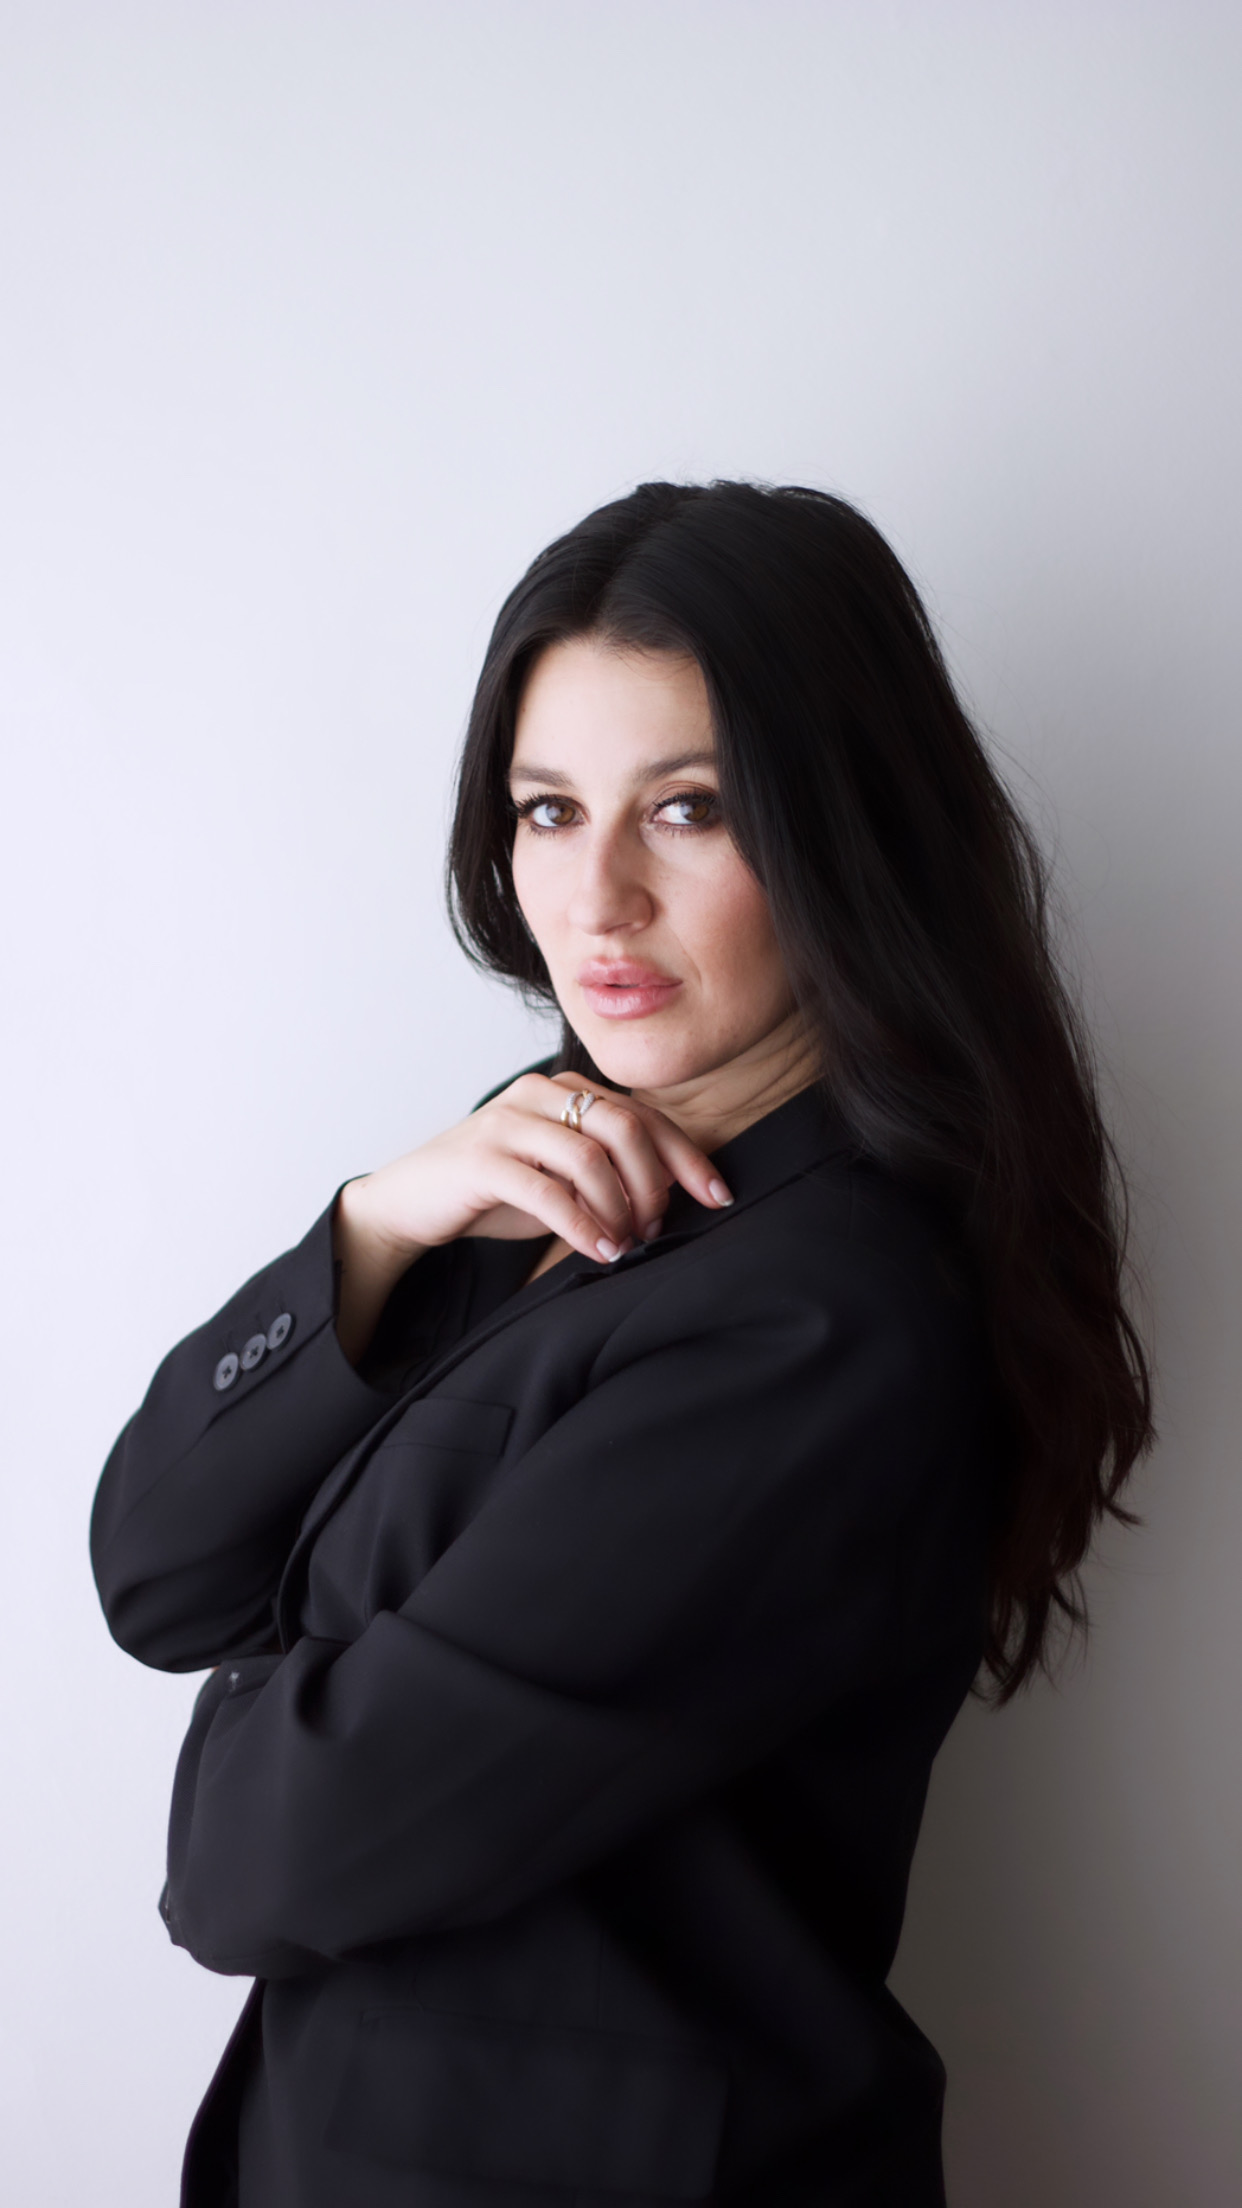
x: 654, y: 771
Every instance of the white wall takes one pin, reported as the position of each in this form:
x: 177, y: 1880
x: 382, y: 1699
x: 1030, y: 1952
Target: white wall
x: 318, y: 321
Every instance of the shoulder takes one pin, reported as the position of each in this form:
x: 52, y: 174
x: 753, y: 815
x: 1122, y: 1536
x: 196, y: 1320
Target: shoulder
x: 843, y: 1265
x: 844, y: 1233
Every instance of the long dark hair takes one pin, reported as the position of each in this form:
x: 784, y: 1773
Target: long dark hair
x: 910, y: 901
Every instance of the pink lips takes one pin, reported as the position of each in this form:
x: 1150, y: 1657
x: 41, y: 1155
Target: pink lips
x: 621, y: 989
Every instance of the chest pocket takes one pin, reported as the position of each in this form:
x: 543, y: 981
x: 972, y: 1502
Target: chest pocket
x: 452, y: 1422
x: 429, y: 1477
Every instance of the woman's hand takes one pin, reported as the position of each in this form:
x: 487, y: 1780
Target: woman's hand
x: 514, y: 1171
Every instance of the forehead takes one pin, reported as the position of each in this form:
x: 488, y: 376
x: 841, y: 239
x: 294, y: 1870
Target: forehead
x: 584, y: 701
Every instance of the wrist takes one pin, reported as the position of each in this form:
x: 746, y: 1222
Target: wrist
x: 370, y: 1262
x: 363, y: 1239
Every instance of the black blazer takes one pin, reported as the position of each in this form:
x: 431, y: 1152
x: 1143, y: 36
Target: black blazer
x: 583, y: 1659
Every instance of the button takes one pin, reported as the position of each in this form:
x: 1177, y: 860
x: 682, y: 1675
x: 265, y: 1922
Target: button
x: 226, y: 1372
x: 280, y: 1329
x: 254, y: 1352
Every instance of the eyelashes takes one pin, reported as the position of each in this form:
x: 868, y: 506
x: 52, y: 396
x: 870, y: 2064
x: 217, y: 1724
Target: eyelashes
x: 531, y: 805
x: 705, y: 802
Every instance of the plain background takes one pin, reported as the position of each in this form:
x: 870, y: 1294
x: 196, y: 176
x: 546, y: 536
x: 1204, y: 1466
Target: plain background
x: 318, y: 320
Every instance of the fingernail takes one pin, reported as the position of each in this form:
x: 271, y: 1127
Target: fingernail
x: 718, y: 1192
x: 610, y: 1250
x: 652, y: 1229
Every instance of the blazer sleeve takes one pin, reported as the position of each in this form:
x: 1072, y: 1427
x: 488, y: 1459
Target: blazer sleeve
x: 202, y: 1495
x: 755, y: 1508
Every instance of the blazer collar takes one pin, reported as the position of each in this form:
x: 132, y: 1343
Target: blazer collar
x: 778, y: 1148
x: 772, y: 1150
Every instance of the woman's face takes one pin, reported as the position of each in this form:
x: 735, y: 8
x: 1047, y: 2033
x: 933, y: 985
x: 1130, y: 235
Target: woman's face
x: 656, y: 934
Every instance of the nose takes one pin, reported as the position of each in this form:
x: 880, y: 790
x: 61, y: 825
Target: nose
x: 609, y: 893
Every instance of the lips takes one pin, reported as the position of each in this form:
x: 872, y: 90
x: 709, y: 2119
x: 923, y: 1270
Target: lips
x: 622, y: 989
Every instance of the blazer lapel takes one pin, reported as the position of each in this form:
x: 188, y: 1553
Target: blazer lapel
x: 338, y: 1483
x: 789, y: 1142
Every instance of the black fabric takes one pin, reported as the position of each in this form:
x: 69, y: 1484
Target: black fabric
x: 582, y: 1661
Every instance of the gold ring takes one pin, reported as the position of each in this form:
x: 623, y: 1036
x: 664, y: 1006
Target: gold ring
x: 579, y: 1104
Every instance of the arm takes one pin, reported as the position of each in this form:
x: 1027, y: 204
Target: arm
x: 203, y: 1492
x: 695, y: 1559
x: 247, y: 1416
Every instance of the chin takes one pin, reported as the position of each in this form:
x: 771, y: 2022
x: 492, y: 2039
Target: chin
x: 629, y: 1059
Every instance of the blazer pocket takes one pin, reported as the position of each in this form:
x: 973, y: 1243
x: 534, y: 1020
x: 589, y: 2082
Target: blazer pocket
x: 451, y: 1422
x: 526, y: 2104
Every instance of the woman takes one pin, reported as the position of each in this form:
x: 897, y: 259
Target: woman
x: 598, y: 1519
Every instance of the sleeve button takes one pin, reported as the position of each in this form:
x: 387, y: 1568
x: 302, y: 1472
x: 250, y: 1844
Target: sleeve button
x: 226, y: 1372
x: 279, y: 1331
x: 254, y: 1352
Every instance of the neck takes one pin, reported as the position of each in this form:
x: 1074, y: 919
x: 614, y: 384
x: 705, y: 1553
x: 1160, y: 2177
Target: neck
x: 713, y: 1107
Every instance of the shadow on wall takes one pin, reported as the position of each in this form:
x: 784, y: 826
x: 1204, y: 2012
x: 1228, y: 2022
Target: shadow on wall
x: 1073, y: 1945
x: 1054, y: 1942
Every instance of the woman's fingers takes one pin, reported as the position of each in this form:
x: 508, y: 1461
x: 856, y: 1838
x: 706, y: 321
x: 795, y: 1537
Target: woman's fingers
x: 619, y: 1164
x: 609, y: 1159
x: 612, y: 1140
x: 555, y: 1206
x: 675, y: 1158
x: 649, y: 1150
x: 583, y: 1165
x: 684, y: 1161
x: 615, y: 1128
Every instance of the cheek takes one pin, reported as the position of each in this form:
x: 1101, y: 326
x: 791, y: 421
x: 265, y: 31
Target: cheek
x: 726, y: 924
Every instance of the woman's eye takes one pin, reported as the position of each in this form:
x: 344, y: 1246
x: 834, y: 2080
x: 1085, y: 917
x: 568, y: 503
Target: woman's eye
x: 692, y: 809
x: 548, y: 812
